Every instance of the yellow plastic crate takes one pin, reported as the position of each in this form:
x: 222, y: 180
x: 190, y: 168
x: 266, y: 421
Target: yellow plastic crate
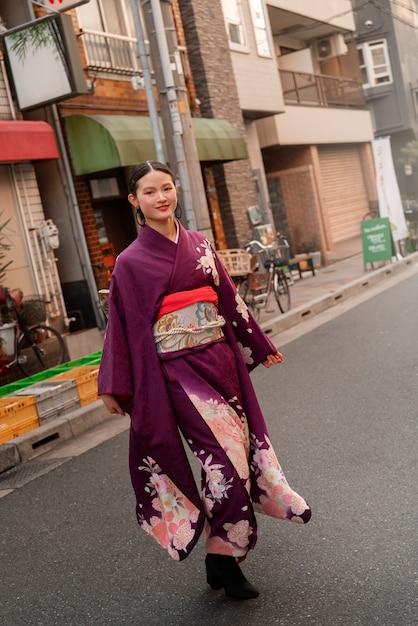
x: 17, y: 417
x: 18, y: 425
x: 13, y: 410
x: 85, y: 377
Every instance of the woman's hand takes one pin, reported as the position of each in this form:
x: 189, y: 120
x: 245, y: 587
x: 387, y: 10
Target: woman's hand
x: 111, y: 404
x: 273, y: 359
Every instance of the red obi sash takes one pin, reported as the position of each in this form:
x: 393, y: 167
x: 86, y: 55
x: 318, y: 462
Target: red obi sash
x: 181, y: 299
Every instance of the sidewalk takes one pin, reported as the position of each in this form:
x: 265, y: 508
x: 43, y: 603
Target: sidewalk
x: 342, y: 278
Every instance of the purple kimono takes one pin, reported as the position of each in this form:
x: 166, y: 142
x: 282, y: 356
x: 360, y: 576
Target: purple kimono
x: 204, y: 390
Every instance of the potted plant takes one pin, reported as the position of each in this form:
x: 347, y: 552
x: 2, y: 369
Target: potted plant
x: 5, y: 246
x: 7, y: 323
x: 311, y: 248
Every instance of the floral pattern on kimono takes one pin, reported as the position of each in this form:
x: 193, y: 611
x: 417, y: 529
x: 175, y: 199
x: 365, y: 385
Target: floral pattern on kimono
x: 169, y: 505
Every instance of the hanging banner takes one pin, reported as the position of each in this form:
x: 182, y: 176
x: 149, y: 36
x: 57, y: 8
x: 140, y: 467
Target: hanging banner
x: 390, y: 204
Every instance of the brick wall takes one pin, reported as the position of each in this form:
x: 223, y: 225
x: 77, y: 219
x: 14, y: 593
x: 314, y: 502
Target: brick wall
x: 295, y: 166
x: 302, y: 205
x: 213, y: 78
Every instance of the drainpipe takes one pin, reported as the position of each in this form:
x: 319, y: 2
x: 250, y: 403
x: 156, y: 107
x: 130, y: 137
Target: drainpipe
x: 78, y: 225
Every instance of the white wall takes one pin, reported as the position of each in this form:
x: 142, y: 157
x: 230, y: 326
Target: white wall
x: 335, y: 12
x: 299, y: 61
x: 314, y: 125
x: 18, y: 274
x: 256, y: 77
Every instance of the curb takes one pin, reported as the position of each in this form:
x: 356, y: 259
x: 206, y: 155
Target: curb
x: 51, y: 434
x: 307, y: 311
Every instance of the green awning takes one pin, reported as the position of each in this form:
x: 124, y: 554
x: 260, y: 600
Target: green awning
x: 104, y: 142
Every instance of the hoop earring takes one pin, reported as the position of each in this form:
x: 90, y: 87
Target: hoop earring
x: 178, y: 211
x: 140, y: 217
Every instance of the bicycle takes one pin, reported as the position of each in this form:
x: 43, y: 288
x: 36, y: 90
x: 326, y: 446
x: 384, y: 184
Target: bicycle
x: 103, y: 274
x: 257, y: 286
x: 35, y: 348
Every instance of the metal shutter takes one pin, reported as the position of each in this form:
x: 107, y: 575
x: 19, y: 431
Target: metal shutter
x: 343, y: 190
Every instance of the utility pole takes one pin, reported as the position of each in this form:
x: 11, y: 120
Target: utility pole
x: 175, y: 112
x: 146, y: 72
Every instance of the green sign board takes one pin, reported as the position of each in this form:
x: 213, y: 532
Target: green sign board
x: 376, y: 236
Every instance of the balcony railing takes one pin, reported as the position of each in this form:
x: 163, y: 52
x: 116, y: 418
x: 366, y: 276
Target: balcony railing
x: 320, y: 90
x: 106, y: 52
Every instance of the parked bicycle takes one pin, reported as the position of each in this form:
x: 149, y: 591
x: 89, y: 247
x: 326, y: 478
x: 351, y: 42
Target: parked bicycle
x: 33, y: 348
x: 258, y: 285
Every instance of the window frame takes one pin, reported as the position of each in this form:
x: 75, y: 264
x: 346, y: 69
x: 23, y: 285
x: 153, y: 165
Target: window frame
x: 262, y: 27
x: 235, y: 21
x: 370, y: 68
x: 110, y: 45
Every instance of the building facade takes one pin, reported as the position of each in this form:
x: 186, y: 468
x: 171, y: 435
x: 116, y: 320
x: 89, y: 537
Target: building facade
x: 272, y: 95
x: 308, y: 118
x: 387, y: 44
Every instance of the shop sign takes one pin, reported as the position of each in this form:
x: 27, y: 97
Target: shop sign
x: 63, y: 5
x: 43, y: 61
x: 377, y: 240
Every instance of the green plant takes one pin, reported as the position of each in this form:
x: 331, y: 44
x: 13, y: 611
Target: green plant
x: 310, y: 245
x: 5, y: 246
x: 410, y: 152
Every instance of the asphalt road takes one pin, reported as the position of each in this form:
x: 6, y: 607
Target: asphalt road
x: 343, y: 416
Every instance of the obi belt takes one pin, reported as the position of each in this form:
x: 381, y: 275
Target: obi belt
x: 187, y: 319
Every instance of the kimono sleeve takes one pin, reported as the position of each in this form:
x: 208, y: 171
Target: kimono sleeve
x: 115, y: 373
x: 254, y: 344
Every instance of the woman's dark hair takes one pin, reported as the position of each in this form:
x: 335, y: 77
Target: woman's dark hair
x: 144, y: 168
x: 138, y: 172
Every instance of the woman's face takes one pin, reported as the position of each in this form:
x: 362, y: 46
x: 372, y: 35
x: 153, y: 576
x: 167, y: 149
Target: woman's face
x: 156, y: 196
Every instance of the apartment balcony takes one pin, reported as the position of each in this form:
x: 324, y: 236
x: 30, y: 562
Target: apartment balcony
x: 318, y: 110
x: 319, y: 90
x: 310, y: 20
x: 105, y: 52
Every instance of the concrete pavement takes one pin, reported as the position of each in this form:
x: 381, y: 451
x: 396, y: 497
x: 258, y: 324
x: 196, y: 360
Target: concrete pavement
x: 342, y: 278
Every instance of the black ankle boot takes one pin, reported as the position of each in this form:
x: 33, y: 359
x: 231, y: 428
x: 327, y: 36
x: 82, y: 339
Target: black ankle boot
x: 223, y: 571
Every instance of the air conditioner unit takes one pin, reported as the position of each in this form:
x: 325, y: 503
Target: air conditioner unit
x: 329, y: 47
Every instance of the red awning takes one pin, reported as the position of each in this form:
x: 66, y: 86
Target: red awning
x: 24, y: 140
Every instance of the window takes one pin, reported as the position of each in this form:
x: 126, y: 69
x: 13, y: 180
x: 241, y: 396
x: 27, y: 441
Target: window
x: 110, y: 16
x: 375, y: 63
x: 233, y: 22
x: 260, y: 29
x: 108, y: 36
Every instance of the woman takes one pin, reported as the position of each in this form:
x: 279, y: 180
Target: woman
x: 178, y: 350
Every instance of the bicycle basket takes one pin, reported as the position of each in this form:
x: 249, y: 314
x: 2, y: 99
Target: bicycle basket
x: 236, y: 261
x: 283, y: 250
x: 33, y: 310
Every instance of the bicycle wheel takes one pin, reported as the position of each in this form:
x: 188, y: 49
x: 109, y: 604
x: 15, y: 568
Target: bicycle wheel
x: 281, y: 290
x: 243, y: 288
x: 41, y: 349
x: 254, y: 307
x: 251, y: 298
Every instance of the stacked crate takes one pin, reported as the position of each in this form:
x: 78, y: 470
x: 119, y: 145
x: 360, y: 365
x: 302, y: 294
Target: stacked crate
x: 52, y: 398
x: 85, y: 377
x: 17, y: 417
x: 36, y: 400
